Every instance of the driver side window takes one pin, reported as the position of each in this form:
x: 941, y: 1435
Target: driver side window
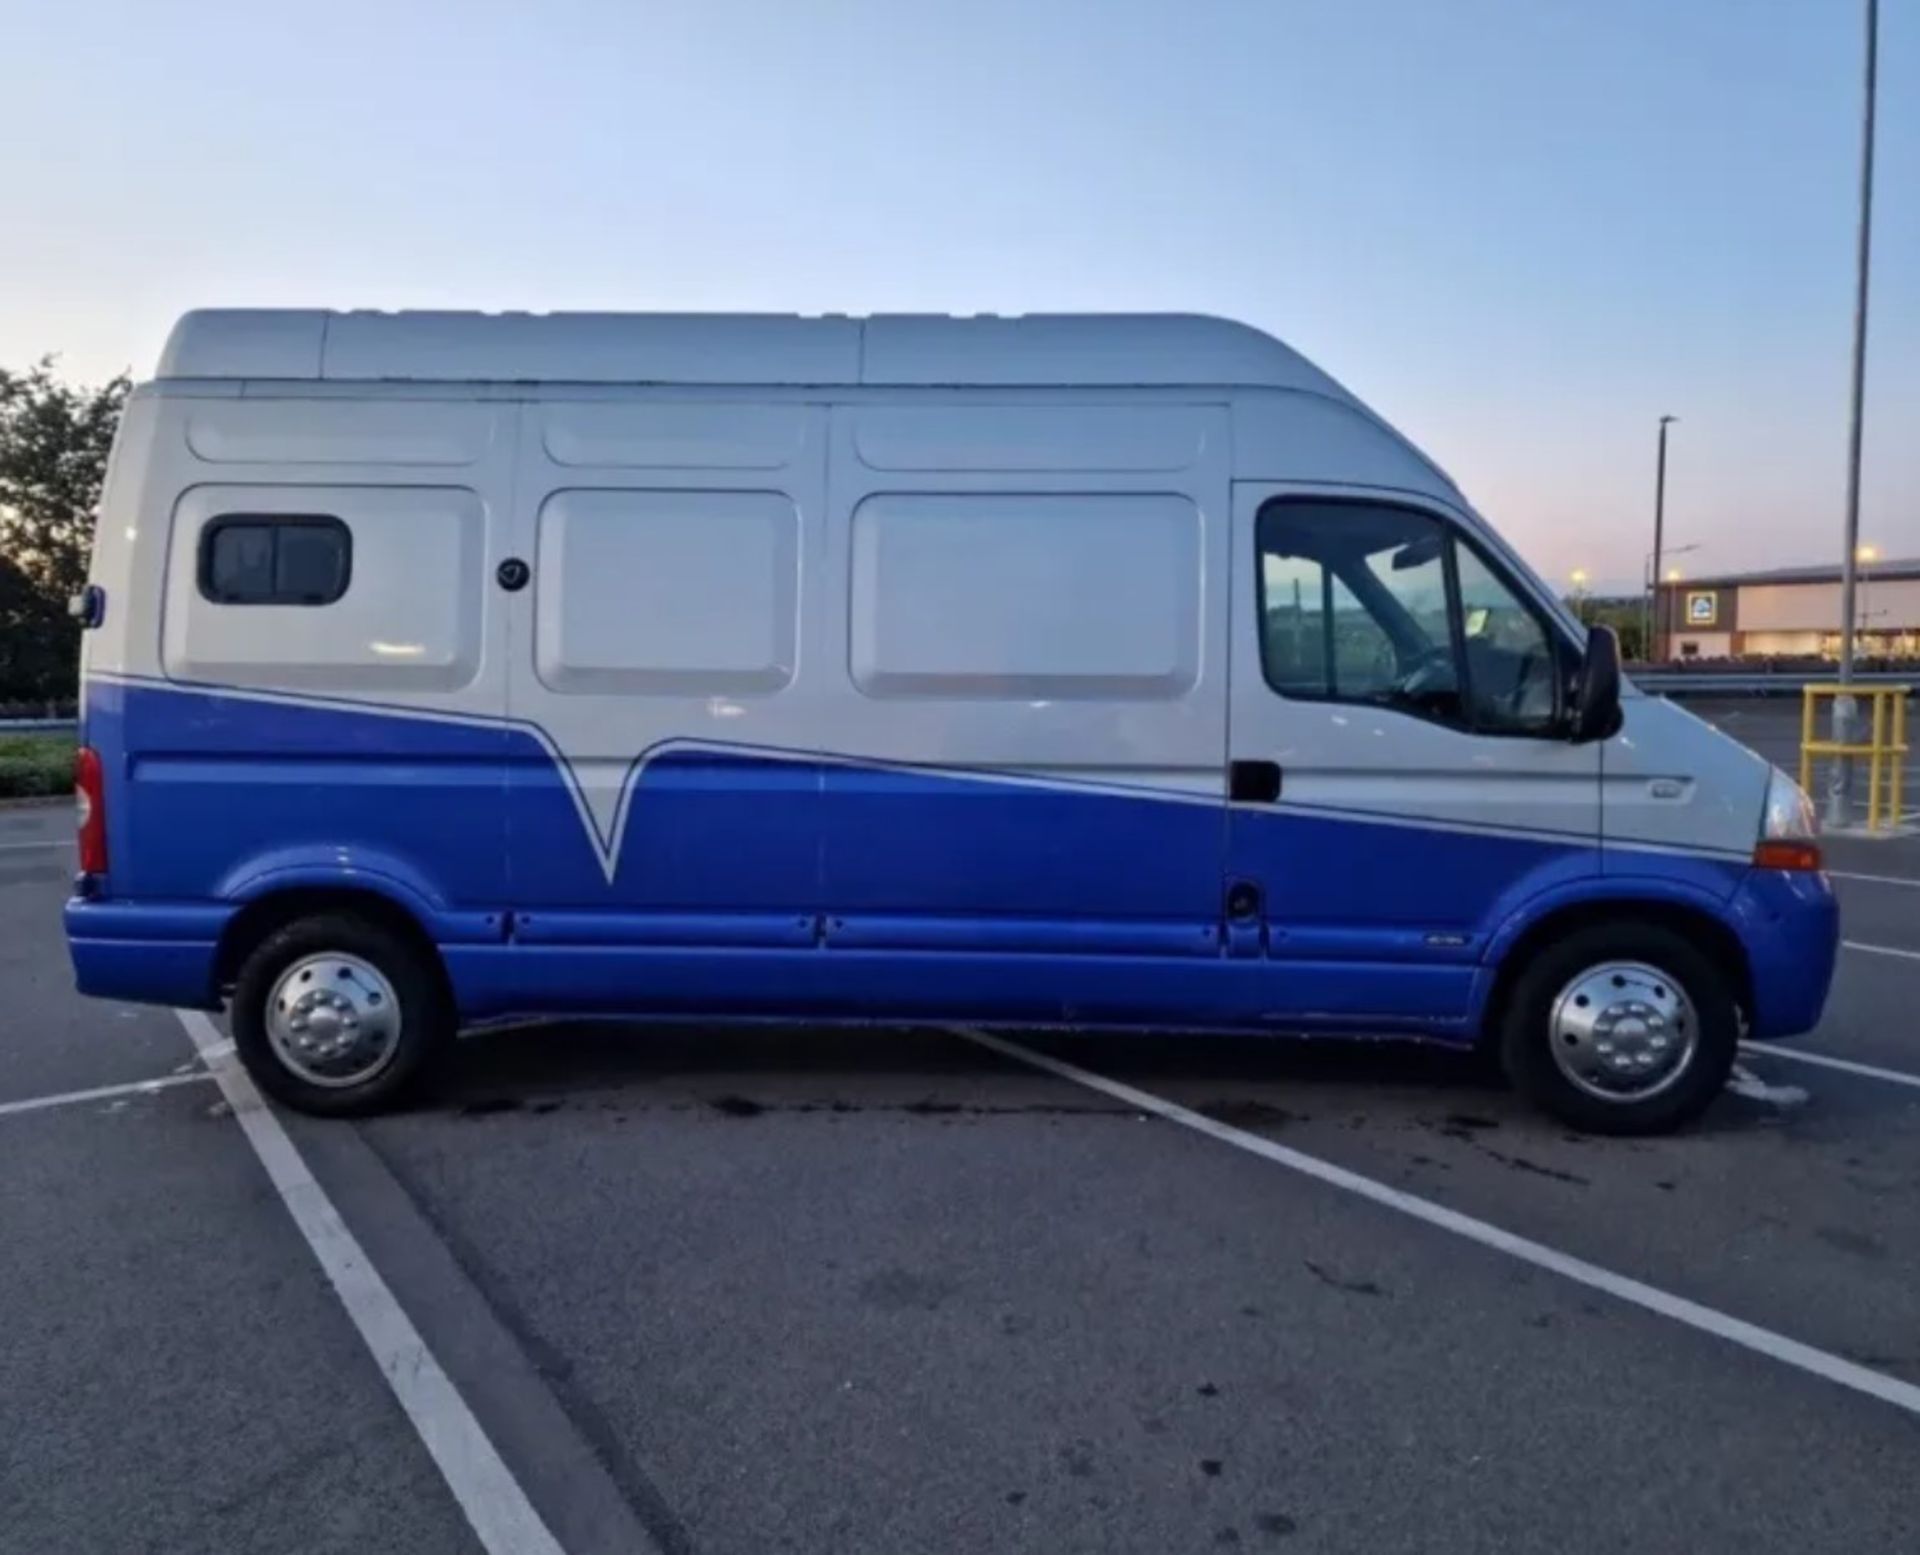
x: 1384, y: 606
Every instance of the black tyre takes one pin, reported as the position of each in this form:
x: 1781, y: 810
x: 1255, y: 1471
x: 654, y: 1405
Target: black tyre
x: 1621, y: 1028
x: 339, y: 1016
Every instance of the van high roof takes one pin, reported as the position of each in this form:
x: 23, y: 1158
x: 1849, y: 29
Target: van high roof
x: 924, y: 350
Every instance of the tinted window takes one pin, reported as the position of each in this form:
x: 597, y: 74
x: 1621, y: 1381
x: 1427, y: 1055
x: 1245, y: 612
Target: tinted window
x: 274, y: 559
x: 1384, y: 605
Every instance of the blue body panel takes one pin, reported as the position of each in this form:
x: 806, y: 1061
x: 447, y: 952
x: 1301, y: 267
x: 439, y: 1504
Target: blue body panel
x: 207, y: 792
x: 719, y: 832
x: 765, y: 884
x: 140, y: 971
x: 1078, y: 989
x: 1380, y: 888
x: 1789, y: 922
x: 904, y: 843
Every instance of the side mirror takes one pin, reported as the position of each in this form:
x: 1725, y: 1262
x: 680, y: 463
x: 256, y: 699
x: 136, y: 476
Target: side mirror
x: 1595, y: 713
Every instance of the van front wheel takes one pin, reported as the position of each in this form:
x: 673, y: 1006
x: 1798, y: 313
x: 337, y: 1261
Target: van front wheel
x: 339, y: 1016
x: 1621, y: 1029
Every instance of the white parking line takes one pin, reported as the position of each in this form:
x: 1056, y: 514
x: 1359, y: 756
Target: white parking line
x: 497, y: 1509
x: 1846, y: 1065
x: 1882, y: 950
x: 1841, y: 874
x: 1750, y: 1336
x: 101, y: 1093
x: 15, y: 847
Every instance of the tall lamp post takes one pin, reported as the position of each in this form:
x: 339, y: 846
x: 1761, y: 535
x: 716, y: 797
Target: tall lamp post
x: 1840, y: 788
x: 1655, y: 627
x: 1647, y: 581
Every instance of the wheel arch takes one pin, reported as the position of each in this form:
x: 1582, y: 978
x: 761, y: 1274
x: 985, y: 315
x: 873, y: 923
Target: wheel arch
x: 1696, y: 921
x: 272, y: 910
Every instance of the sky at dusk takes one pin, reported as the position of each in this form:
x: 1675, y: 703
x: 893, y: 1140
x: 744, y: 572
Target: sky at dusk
x: 1521, y: 229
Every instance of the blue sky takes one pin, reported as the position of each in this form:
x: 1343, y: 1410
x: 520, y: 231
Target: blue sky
x: 1521, y: 229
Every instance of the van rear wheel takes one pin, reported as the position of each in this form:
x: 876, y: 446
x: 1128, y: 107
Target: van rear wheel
x: 1621, y: 1029
x: 339, y: 1016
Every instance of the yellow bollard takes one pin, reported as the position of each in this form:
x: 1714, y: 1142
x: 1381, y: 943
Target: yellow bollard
x: 1808, y: 702
x: 1873, y: 762
x: 1885, y: 751
x: 1899, y: 757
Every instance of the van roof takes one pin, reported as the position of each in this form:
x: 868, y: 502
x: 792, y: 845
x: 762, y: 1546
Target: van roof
x: 1053, y: 350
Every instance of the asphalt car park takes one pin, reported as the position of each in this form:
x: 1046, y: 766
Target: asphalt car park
x: 745, y: 1289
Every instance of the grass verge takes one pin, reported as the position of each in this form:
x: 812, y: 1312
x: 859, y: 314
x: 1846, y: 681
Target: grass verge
x: 35, y: 765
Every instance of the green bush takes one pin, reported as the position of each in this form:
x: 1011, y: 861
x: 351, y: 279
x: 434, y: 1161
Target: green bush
x: 32, y: 765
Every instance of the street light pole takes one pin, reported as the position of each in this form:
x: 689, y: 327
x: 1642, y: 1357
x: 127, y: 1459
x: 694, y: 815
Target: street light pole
x: 1656, y: 627
x: 1839, y: 789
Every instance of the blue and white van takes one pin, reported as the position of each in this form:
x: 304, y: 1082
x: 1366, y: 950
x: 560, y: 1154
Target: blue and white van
x: 1091, y: 670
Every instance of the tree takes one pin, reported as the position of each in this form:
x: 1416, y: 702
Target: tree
x: 54, y: 439
x: 1624, y: 615
x: 1627, y: 617
x: 37, y: 642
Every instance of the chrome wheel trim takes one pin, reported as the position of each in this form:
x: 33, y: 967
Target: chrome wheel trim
x: 333, y: 1020
x: 1623, y: 1031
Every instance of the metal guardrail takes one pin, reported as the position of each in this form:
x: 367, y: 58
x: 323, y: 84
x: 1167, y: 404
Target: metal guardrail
x: 1757, y: 683
x: 37, y: 725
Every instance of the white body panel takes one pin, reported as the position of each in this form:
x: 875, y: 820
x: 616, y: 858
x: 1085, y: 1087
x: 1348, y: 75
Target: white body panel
x: 617, y: 570
x: 1050, y: 598
x: 1673, y: 781
x: 410, y: 619
x: 425, y: 487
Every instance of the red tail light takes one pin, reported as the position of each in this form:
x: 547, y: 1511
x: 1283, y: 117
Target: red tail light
x: 90, y: 810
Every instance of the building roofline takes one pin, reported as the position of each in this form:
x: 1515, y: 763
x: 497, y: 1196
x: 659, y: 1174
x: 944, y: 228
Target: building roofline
x: 1876, y: 571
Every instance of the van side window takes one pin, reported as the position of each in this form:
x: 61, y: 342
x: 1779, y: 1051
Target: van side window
x: 1361, y: 602
x: 275, y: 559
x: 1510, y: 654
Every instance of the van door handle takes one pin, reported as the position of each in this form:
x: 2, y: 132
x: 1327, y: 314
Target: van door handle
x: 1253, y: 782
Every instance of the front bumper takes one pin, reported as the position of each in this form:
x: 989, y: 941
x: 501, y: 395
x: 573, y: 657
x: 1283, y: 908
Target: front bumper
x: 1789, y: 922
